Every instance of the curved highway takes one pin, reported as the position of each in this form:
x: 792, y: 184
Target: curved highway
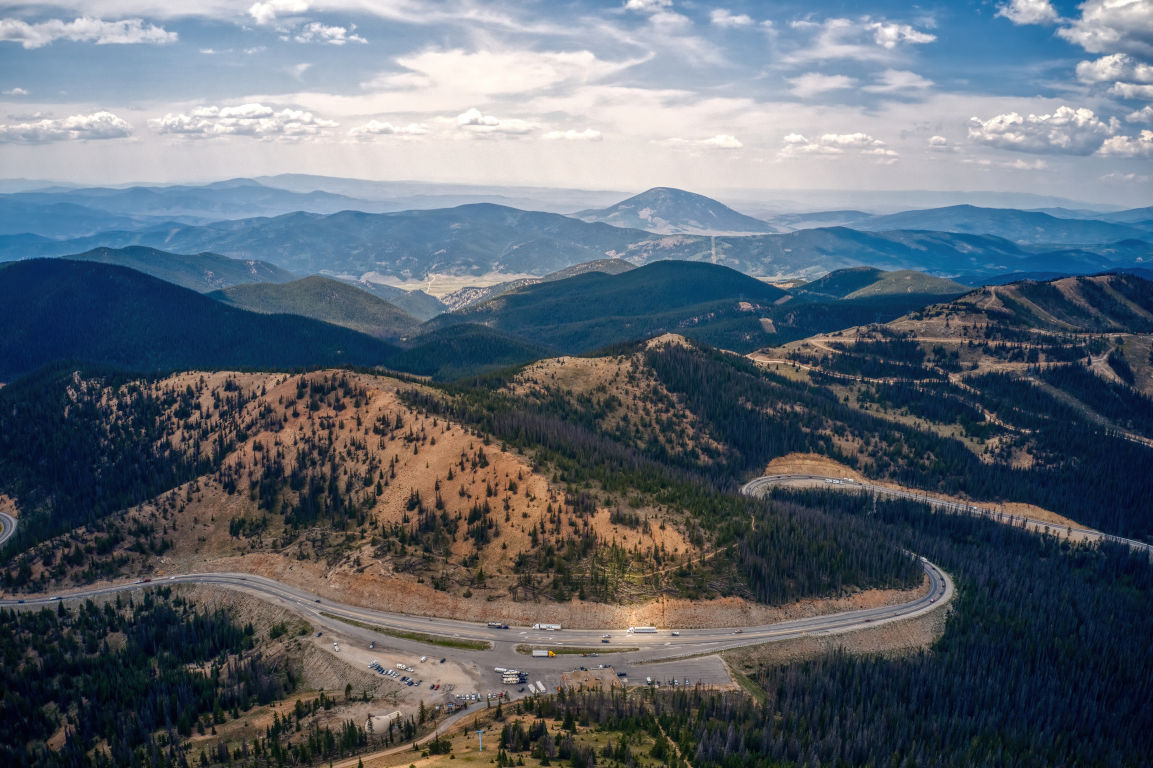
x: 651, y: 647
x: 7, y: 527
x: 760, y: 485
x: 644, y: 648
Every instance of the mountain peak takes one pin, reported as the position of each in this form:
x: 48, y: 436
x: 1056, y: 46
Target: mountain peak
x: 671, y: 211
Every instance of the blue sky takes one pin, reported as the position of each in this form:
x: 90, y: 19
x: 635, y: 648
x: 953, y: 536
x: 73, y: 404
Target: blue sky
x: 1022, y: 95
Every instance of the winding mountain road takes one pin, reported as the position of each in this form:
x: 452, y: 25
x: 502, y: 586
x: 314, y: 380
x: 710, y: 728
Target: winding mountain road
x: 7, y: 527
x: 761, y: 485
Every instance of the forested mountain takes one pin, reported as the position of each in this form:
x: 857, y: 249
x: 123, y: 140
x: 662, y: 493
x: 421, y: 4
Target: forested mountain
x: 1042, y: 663
x: 419, y: 304
x: 200, y: 272
x: 592, y: 310
x: 863, y: 282
x: 468, y: 296
x: 57, y: 309
x: 669, y: 211
x: 324, y: 299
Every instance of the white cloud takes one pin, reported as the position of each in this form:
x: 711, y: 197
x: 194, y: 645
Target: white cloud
x: 814, y: 83
x: 722, y: 141
x: 83, y: 30
x: 463, y: 74
x: 798, y: 145
x: 861, y: 39
x: 1028, y: 12
x: 588, y: 134
x: 1012, y: 165
x: 298, y: 70
x: 254, y: 120
x: 1132, y: 91
x: 648, y: 6
x: 898, y: 80
x: 98, y: 125
x: 315, y: 32
x: 15, y: 92
x: 940, y: 144
x: 1115, y: 67
x: 1143, y: 115
x: 1067, y: 131
x: 265, y: 12
x: 721, y: 17
x: 888, y: 35
x: 473, y: 122
x: 1112, y: 26
x: 375, y: 128
x: 1127, y: 178
x: 1140, y: 145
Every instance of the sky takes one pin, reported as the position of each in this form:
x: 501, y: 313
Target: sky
x: 1017, y: 95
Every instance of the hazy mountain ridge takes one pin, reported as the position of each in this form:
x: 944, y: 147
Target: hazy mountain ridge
x: 1026, y: 227
x: 482, y: 239
x: 669, y: 211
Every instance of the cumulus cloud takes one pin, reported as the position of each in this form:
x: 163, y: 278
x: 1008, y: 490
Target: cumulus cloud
x: 98, y: 125
x: 375, y: 128
x: 15, y: 92
x: 83, y: 30
x: 1140, y: 145
x: 1028, y: 12
x: 898, y: 81
x: 1115, y: 67
x: 253, y: 120
x: 472, y: 121
x: 862, y: 39
x: 265, y: 12
x: 721, y: 17
x: 722, y: 141
x: 814, y: 83
x: 940, y: 144
x: 888, y: 35
x: 588, y: 134
x: 315, y: 32
x: 1132, y: 91
x: 1067, y: 131
x: 1143, y: 115
x: 1113, y: 26
x: 799, y: 145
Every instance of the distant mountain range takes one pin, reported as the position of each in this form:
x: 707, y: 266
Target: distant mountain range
x: 1027, y: 227
x: 669, y: 211
x: 485, y: 239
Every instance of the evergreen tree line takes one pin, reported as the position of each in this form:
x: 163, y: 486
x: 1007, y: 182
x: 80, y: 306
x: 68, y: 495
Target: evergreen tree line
x: 126, y: 701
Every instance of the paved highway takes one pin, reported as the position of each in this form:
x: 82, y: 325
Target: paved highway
x: 7, y: 527
x: 760, y: 486
x: 656, y: 647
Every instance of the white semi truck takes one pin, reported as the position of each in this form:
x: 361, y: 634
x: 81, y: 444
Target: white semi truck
x: 546, y: 627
